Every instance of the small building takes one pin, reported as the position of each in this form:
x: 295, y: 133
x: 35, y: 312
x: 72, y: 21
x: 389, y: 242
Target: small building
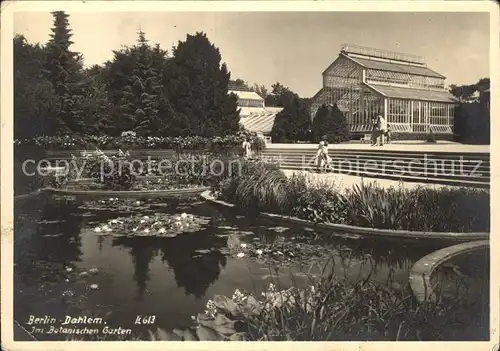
x: 255, y: 116
x: 364, y: 82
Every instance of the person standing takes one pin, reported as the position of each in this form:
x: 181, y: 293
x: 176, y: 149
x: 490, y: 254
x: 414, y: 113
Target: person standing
x: 383, y: 130
x: 375, y: 129
x: 247, y: 148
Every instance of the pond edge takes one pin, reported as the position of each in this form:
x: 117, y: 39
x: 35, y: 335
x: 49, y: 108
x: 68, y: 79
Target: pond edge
x: 421, y: 272
x: 358, y: 232
x: 114, y: 193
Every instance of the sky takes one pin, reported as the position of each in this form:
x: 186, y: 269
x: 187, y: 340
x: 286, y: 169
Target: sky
x: 290, y: 47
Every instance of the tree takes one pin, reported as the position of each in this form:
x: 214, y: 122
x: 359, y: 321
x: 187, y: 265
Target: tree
x: 134, y: 81
x: 329, y: 121
x: 96, y: 106
x: 293, y: 122
x: 278, y: 95
x: 198, y: 90
x: 238, y: 84
x: 261, y: 90
x: 34, y: 97
x: 466, y: 92
x: 64, y: 71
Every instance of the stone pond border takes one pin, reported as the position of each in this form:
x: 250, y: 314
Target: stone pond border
x: 358, y: 232
x: 422, y: 271
x: 117, y: 194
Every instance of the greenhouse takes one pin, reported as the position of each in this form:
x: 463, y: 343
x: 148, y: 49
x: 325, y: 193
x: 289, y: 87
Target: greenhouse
x: 364, y: 82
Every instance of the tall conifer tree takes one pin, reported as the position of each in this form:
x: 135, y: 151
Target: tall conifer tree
x: 64, y: 70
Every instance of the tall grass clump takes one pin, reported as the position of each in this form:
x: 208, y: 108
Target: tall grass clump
x: 369, y: 205
x: 264, y: 191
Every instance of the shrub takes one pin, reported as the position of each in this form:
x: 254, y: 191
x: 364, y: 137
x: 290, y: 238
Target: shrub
x: 258, y: 144
x: 320, y: 206
x: 431, y: 138
x: 112, y: 172
x: 131, y: 141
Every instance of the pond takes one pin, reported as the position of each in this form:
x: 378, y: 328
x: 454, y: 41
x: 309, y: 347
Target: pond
x: 68, y: 262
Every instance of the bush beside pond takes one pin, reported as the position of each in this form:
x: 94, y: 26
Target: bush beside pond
x: 261, y: 189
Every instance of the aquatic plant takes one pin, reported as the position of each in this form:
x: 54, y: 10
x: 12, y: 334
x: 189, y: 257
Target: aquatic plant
x: 160, y: 224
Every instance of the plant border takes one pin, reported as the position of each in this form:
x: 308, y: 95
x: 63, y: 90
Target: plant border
x: 354, y: 232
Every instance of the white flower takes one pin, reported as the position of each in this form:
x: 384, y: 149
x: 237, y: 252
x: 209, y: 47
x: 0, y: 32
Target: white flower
x: 145, y: 217
x: 94, y: 286
x: 113, y: 221
x: 187, y: 224
x: 259, y: 252
x: 240, y: 255
x: 243, y: 245
x: 162, y: 230
x: 178, y: 218
x: 67, y: 280
x: 69, y: 269
x: 146, y: 230
x: 184, y: 215
x: 134, y: 230
x: 143, y: 221
x: 137, y: 202
x: 97, y: 229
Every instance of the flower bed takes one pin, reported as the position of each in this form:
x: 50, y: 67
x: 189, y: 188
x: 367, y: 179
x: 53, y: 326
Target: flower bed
x: 261, y: 189
x: 132, y: 141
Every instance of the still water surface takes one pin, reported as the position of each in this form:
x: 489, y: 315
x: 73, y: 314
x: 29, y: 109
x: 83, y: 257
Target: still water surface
x: 169, y: 278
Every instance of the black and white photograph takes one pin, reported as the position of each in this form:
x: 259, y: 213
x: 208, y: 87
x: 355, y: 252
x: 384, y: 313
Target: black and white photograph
x: 249, y: 171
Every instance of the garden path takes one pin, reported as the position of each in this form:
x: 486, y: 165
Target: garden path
x: 344, y: 181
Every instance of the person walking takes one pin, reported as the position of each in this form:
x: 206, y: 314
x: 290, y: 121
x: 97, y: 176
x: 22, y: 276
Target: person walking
x: 322, y: 157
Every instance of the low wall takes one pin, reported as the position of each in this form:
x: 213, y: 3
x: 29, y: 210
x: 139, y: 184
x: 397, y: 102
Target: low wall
x: 421, y: 274
x: 354, y: 232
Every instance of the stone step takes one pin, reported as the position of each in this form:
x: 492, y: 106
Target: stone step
x: 411, y: 179
x: 396, y: 173
x: 472, y: 164
x: 483, y: 158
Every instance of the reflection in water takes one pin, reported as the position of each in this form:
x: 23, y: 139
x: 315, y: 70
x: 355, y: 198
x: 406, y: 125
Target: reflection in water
x: 197, y: 260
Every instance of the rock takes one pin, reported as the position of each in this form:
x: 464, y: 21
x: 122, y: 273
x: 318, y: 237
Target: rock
x: 207, y: 334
